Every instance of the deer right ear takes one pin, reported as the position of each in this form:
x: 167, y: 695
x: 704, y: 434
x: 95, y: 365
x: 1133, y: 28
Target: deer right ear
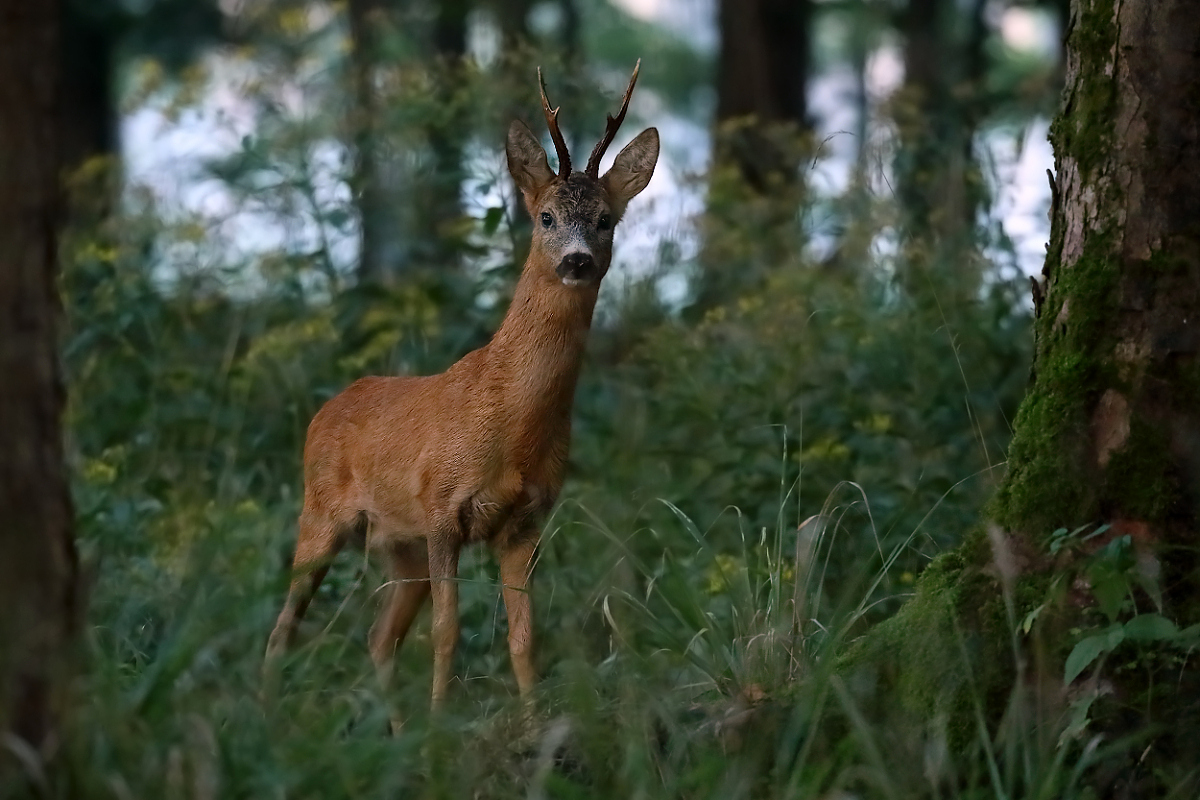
x: 527, y: 161
x: 632, y: 169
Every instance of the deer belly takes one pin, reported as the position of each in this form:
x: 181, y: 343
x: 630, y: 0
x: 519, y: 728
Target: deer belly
x: 393, y: 523
x: 485, y: 515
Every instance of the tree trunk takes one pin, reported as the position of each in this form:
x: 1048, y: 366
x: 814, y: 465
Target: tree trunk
x: 407, y: 213
x: 513, y: 18
x: 440, y: 211
x: 763, y: 75
x: 88, y: 107
x: 938, y: 185
x: 372, y: 201
x: 37, y: 556
x: 756, y: 187
x: 1110, y: 428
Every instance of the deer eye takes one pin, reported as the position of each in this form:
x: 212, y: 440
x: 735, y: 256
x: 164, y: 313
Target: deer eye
x: 605, y: 222
x: 547, y: 220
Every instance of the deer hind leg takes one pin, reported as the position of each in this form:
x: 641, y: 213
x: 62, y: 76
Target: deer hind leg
x: 317, y: 543
x: 516, y: 556
x: 409, y: 568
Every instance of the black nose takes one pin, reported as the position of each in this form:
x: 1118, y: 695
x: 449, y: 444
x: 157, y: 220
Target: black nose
x: 577, y: 266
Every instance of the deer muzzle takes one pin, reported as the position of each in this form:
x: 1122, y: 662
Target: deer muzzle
x: 577, y: 269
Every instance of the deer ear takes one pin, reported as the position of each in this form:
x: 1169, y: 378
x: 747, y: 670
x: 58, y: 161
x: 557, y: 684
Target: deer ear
x: 632, y: 169
x: 527, y: 161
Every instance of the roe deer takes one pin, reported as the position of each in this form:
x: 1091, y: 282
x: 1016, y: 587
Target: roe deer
x: 420, y: 466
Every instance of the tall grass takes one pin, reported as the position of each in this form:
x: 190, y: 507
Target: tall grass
x: 697, y: 673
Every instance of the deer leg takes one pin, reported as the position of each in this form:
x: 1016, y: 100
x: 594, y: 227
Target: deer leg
x: 443, y: 586
x: 516, y: 567
x: 409, y: 568
x: 318, y: 541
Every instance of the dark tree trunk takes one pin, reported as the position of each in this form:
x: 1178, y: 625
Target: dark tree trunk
x: 88, y: 107
x: 513, y: 18
x: 441, y: 211
x: 763, y: 76
x: 756, y: 188
x: 37, y: 556
x: 407, y: 214
x: 374, y: 229
x: 938, y: 183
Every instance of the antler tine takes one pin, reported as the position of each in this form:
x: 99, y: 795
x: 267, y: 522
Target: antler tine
x: 613, y: 125
x: 560, y: 144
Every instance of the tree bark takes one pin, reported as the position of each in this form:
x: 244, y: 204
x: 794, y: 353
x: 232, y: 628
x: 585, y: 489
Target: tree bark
x: 372, y: 201
x: 37, y: 558
x: 1110, y: 429
x: 89, y: 106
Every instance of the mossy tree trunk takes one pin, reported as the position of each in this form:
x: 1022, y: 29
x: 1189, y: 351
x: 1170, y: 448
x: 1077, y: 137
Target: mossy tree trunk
x: 37, y: 557
x: 1110, y: 428
x: 1108, y: 433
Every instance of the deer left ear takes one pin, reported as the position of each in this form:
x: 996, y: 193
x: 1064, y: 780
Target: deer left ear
x: 527, y: 161
x: 632, y: 169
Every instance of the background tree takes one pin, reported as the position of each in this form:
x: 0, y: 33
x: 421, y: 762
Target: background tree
x: 939, y: 183
x: 98, y: 35
x: 408, y: 174
x: 761, y: 120
x: 38, y: 581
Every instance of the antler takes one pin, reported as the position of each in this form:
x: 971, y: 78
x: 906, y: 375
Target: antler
x: 560, y: 144
x: 614, y: 124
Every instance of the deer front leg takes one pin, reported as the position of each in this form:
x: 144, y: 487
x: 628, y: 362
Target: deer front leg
x: 516, y: 567
x: 443, y: 586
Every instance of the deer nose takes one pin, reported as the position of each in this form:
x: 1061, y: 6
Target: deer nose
x: 577, y: 267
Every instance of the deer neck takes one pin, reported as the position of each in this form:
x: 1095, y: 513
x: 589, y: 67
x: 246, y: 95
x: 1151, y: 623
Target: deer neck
x: 539, y: 347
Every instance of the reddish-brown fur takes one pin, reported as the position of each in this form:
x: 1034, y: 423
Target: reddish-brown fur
x: 424, y: 465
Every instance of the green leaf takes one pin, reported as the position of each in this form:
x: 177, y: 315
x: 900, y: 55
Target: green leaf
x: 1089, y: 650
x: 1150, y: 628
x: 1027, y: 624
x: 491, y: 220
x: 1110, y: 587
x: 1057, y: 540
x: 1190, y: 635
x: 1079, y: 718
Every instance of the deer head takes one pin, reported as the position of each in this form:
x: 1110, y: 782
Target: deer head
x: 574, y: 213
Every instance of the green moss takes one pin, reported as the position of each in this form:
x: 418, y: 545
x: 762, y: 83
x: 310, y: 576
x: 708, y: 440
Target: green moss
x: 1165, y: 261
x: 1136, y: 482
x: 939, y: 658
x: 1084, y: 128
x: 1043, y: 489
